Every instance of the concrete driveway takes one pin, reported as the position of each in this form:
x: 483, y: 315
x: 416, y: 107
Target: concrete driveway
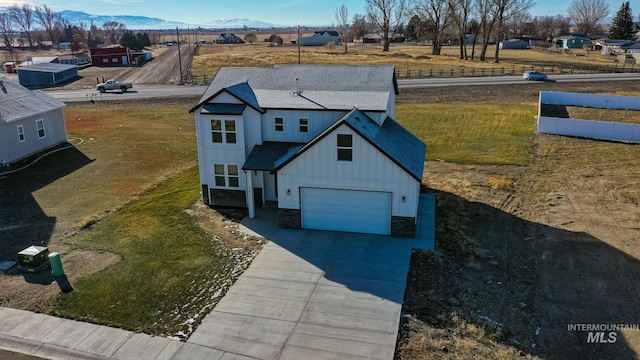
x: 314, y: 295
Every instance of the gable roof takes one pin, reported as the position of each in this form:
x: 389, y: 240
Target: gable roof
x: 18, y: 102
x: 318, y: 87
x: 391, y: 139
x: 241, y: 91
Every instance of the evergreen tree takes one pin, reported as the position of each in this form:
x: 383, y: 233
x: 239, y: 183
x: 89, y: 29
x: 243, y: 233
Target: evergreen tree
x: 622, y: 26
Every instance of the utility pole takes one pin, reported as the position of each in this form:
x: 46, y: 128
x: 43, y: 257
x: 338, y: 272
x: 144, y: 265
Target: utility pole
x: 179, y: 55
x: 298, y: 42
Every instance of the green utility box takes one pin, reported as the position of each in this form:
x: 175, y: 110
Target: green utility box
x: 33, y: 259
x: 56, y: 264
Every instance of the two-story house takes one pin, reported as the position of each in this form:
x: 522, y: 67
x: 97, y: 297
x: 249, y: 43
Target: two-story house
x: 320, y: 140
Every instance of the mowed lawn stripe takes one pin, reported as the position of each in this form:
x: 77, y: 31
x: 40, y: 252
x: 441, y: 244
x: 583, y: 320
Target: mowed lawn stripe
x: 472, y: 133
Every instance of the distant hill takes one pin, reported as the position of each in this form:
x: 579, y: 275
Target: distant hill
x: 148, y: 23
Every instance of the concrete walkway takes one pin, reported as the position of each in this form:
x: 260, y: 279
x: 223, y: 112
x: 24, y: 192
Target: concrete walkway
x: 307, y: 295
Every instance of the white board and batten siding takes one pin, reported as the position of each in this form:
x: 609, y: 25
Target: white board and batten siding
x: 318, y: 121
x: 12, y: 149
x: 370, y: 171
x: 210, y: 153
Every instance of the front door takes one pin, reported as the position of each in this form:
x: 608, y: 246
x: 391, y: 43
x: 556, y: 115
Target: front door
x: 270, y: 187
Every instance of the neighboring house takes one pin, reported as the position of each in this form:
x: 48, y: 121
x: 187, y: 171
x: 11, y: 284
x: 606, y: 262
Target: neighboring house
x: 113, y: 55
x: 613, y: 47
x: 229, y: 39
x: 45, y: 75
x: 575, y: 42
x: 320, y: 38
x: 514, y: 44
x: 319, y: 140
x: 30, y: 121
x: 378, y: 38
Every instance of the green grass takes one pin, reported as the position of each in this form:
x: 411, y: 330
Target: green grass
x: 472, y: 133
x: 171, y: 270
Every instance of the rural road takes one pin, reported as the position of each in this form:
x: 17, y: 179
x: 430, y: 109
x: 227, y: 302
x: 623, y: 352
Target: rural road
x: 153, y: 91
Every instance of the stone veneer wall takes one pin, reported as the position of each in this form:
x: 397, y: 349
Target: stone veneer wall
x: 403, y: 226
x: 289, y: 218
x: 205, y: 194
x: 233, y: 198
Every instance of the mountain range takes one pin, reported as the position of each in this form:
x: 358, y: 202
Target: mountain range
x: 149, y: 23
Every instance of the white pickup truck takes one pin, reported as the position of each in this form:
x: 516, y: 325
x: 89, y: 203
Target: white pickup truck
x: 113, y: 85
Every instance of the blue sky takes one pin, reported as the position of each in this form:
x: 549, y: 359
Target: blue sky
x: 280, y: 12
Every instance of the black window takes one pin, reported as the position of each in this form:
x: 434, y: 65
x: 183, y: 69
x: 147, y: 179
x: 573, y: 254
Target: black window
x: 345, y: 147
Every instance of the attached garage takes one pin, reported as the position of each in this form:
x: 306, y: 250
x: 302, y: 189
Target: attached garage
x: 346, y: 210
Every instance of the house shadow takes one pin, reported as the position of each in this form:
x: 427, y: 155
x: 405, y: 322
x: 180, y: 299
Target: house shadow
x: 525, y: 284
x: 23, y: 222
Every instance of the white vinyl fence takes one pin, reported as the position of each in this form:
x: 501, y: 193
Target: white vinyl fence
x: 589, y: 128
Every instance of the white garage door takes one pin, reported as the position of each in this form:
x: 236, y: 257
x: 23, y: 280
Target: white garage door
x: 346, y: 210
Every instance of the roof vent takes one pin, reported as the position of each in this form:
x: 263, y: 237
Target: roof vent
x: 297, y: 93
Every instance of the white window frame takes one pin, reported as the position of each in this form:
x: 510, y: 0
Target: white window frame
x: 341, y: 149
x: 303, y: 128
x: 39, y: 128
x: 279, y: 124
x: 105, y: 61
x: 20, y: 130
x: 229, y: 176
x: 224, y: 132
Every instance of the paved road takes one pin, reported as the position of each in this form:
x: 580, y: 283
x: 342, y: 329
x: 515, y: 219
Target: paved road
x: 138, y: 92
x: 509, y: 80
x: 153, y: 91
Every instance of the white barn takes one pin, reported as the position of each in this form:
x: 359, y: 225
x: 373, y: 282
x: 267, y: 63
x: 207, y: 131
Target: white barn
x: 30, y: 122
x: 319, y: 140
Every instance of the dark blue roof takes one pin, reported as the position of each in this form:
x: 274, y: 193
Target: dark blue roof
x: 244, y: 92
x: 269, y: 155
x: 400, y: 145
x: 224, y: 109
x: 396, y: 142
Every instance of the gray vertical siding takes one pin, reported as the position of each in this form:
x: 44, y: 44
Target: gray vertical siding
x: 12, y: 150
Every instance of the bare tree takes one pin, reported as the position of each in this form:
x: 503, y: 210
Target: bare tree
x: 485, y: 10
x: 505, y: 10
x: 52, y: 22
x: 8, y: 32
x: 250, y: 38
x: 360, y: 26
x: 113, y: 31
x: 520, y: 25
x: 342, y: 16
x: 387, y: 15
x: 460, y: 11
x: 436, y: 15
x: 586, y: 14
x: 23, y: 17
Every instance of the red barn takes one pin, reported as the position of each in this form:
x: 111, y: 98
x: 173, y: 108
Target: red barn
x: 115, y: 55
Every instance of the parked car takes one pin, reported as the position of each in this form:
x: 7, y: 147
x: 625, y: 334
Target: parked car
x: 113, y: 85
x: 534, y: 75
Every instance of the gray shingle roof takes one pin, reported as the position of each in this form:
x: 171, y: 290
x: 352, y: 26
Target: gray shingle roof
x: 18, y: 102
x: 396, y: 142
x: 224, y: 109
x: 267, y: 156
x: 336, y: 87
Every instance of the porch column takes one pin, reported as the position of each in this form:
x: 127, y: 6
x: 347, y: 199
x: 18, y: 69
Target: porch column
x: 250, y: 202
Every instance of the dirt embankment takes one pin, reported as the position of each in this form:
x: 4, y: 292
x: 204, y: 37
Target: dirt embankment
x: 518, y: 261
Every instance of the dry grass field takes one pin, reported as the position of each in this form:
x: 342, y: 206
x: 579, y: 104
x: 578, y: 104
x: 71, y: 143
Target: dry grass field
x: 409, y: 60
